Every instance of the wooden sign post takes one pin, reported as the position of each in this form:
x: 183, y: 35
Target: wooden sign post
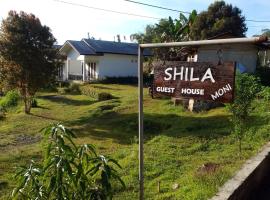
x: 201, y: 80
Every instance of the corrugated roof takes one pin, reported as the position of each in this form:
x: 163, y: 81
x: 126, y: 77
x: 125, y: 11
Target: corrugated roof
x: 97, y: 47
x: 81, y: 47
x: 101, y: 46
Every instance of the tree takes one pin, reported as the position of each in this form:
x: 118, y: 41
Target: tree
x: 28, y: 60
x: 247, y: 86
x: 167, y: 30
x: 219, y: 18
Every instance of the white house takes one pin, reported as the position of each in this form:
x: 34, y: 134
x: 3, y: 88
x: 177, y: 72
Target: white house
x: 91, y: 59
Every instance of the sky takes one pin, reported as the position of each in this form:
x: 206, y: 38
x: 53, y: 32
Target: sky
x: 70, y: 22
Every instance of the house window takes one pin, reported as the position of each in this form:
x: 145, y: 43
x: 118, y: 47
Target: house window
x: 92, y: 70
x: 60, y: 72
x: 192, y: 58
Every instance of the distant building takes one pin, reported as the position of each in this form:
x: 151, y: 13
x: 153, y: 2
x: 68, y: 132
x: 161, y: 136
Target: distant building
x: 245, y: 55
x: 91, y: 59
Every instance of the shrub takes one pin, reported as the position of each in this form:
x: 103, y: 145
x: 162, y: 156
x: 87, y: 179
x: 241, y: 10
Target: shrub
x: 247, y: 86
x: 2, y: 113
x: 34, y: 103
x: 103, y: 96
x: 68, y: 171
x: 74, y: 88
x: 119, y: 80
x: 10, y: 99
x: 50, y: 87
x: 263, y: 73
x: 89, y: 91
x: 93, y: 93
x: 265, y: 93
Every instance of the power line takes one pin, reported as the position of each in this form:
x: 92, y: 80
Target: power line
x: 106, y: 10
x: 164, y: 8
x: 263, y: 21
x: 137, y: 15
x: 155, y: 6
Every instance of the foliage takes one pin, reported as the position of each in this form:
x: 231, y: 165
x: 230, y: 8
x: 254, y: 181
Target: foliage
x: 2, y: 112
x: 34, y: 103
x: 263, y: 72
x: 168, y: 30
x: 103, y: 96
x: 73, y: 88
x: 10, y: 99
x: 93, y: 92
x: 119, y: 80
x: 28, y: 60
x: 247, y: 86
x: 265, y: 93
x: 68, y: 171
x: 89, y: 91
x: 219, y: 18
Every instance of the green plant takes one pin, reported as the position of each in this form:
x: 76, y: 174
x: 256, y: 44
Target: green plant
x: 73, y: 88
x: 103, y: 96
x: 34, y: 103
x: 263, y: 73
x: 68, y: 171
x: 2, y: 112
x: 89, y: 91
x: 23, y: 37
x: 247, y: 86
x: 10, y: 99
x: 265, y: 93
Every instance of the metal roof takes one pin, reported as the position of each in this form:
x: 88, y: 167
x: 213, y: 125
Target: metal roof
x: 99, y: 47
x: 81, y: 47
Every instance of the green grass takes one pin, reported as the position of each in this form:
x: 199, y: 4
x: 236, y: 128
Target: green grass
x: 177, y: 143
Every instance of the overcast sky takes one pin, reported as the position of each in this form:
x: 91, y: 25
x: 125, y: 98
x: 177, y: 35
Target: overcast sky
x: 69, y: 22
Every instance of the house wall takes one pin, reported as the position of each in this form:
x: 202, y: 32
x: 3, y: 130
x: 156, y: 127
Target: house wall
x: 73, y: 63
x: 245, y: 54
x: 75, y: 67
x: 116, y: 65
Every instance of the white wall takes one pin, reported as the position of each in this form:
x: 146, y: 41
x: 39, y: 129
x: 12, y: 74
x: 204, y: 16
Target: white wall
x: 72, y: 55
x: 75, y: 67
x: 117, y: 65
x: 245, y: 54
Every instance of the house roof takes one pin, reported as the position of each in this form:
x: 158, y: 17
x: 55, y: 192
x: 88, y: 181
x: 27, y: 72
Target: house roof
x: 99, y: 47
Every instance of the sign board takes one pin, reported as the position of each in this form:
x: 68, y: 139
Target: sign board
x: 197, y: 80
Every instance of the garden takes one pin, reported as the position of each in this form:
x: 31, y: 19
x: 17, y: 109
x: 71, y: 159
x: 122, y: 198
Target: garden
x: 187, y: 155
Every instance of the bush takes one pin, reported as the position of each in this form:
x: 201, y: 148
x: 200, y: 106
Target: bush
x: 10, y: 99
x: 68, y: 171
x: 51, y: 87
x: 74, y: 88
x: 2, y: 113
x: 93, y: 93
x: 103, y: 96
x: 246, y: 90
x: 119, y: 80
x: 265, y: 93
x: 89, y: 91
x: 34, y: 103
x: 263, y: 73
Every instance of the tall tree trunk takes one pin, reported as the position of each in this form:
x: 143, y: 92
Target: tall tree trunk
x: 27, y: 98
x: 27, y: 105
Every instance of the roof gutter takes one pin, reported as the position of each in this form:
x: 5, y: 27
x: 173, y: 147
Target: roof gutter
x: 252, y: 40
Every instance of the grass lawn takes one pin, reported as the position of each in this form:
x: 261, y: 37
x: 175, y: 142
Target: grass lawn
x: 192, y: 152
